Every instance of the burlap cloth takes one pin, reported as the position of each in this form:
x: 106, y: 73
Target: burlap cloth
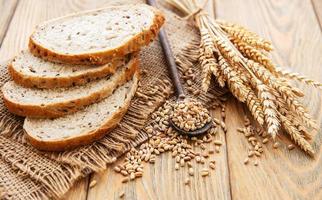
x: 26, y: 173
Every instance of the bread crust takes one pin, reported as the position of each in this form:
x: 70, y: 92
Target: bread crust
x: 63, y: 108
x: 57, y: 82
x: 73, y: 142
x: 102, y: 57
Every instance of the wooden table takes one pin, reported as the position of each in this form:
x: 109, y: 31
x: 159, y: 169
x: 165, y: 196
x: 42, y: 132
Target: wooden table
x: 294, y: 27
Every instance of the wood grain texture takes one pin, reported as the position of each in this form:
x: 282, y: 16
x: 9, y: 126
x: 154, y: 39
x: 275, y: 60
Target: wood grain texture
x: 294, y: 29
x: 161, y: 181
x: 295, y: 32
x: 7, y: 9
x: 78, y: 191
x: 317, y: 5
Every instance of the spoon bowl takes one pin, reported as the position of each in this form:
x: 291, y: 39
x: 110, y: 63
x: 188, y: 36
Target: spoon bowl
x: 196, y: 132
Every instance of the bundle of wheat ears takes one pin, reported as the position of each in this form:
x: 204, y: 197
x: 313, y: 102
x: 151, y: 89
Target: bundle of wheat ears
x: 238, y: 59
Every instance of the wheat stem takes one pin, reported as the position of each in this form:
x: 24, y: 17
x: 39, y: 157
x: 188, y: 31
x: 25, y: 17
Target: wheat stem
x: 296, y: 76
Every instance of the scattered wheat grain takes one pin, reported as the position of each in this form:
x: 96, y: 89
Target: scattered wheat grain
x: 246, y: 161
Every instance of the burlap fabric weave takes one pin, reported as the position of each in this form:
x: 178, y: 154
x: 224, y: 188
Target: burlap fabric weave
x: 26, y: 173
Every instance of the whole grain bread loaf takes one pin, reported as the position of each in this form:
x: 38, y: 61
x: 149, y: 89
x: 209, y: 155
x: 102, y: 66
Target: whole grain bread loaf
x: 82, y: 127
x: 30, y: 71
x: 50, y: 103
x: 95, y: 37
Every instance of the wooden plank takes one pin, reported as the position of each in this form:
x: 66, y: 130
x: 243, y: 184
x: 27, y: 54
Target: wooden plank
x: 295, y: 32
x: 28, y: 14
x: 161, y: 181
x: 280, y: 173
x: 78, y: 191
x: 7, y: 9
x: 317, y: 4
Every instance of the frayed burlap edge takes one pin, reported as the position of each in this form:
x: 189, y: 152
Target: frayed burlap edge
x: 15, y: 185
x: 56, y: 180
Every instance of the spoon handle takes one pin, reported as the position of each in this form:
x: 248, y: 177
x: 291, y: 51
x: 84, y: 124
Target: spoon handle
x: 169, y: 58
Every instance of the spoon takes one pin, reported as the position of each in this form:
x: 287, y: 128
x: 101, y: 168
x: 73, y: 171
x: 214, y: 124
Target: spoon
x: 176, y: 80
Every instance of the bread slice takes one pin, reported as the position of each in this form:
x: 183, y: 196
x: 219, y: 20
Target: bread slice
x: 97, y: 36
x: 82, y: 127
x: 50, y: 103
x: 30, y: 71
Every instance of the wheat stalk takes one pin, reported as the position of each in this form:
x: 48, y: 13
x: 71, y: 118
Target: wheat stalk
x: 269, y: 109
x: 241, y: 91
x: 300, y: 110
x: 226, y: 24
x: 207, y: 42
x: 241, y: 34
x: 206, y: 65
x: 221, y: 79
x: 296, y: 136
x: 298, y: 124
x: 255, y: 55
x: 285, y: 110
x: 238, y: 89
x: 269, y: 79
x: 254, y: 105
x: 206, y: 77
x: 297, y: 76
x: 238, y: 59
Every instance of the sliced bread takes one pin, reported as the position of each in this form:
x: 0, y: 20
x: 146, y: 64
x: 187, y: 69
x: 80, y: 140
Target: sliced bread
x: 30, y: 71
x: 97, y: 36
x: 82, y: 127
x: 50, y: 103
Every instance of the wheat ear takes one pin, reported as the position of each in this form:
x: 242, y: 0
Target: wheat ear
x: 239, y: 33
x: 214, y: 68
x: 296, y: 136
x: 239, y: 90
x: 300, y: 110
x: 225, y: 24
x: 221, y: 79
x: 296, y: 76
x: 252, y: 101
x: 255, y: 55
x: 227, y: 51
x: 208, y: 65
x: 295, y: 90
x: 298, y: 124
x: 207, y: 42
x: 284, y: 109
x: 269, y: 108
x: 267, y: 77
x: 255, y: 107
x: 206, y: 77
